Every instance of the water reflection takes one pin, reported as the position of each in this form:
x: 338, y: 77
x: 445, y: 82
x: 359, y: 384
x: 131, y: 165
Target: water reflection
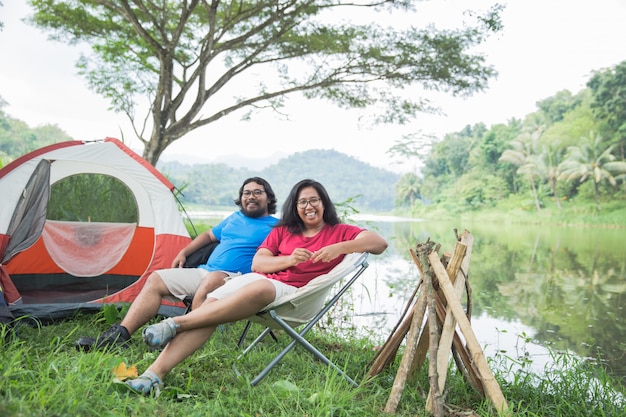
x: 532, y: 288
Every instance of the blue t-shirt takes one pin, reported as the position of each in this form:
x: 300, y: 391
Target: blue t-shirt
x: 239, y: 237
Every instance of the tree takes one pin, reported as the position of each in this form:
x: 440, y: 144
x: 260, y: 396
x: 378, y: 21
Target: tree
x: 195, y: 62
x: 524, y: 155
x: 548, y: 163
x: 592, y: 159
x: 408, y: 188
x: 556, y: 106
x: 608, y: 88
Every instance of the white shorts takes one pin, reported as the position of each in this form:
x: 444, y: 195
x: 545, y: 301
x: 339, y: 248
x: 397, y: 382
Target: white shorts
x: 183, y: 282
x: 232, y: 285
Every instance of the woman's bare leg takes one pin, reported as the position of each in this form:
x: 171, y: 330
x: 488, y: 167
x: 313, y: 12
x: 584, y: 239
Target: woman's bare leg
x: 198, y: 326
x: 179, y: 348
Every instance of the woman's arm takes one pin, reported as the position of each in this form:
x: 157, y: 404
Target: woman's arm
x: 265, y: 261
x: 366, y: 241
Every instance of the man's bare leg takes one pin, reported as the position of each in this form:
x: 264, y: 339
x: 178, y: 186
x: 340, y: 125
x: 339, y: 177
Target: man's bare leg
x: 212, y: 281
x: 146, y: 304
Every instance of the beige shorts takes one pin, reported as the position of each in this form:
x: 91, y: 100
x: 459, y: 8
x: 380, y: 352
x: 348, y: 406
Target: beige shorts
x: 183, y: 282
x: 232, y: 285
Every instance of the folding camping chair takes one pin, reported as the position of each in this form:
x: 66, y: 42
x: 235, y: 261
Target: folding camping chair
x: 305, y: 308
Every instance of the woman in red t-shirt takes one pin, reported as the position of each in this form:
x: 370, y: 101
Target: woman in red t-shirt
x: 308, y: 241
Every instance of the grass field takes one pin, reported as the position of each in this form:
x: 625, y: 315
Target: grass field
x: 42, y: 374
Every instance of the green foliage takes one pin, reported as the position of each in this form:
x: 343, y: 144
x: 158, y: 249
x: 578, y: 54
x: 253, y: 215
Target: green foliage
x: 573, y: 124
x: 546, y: 157
x: 4, y: 159
x: 593, y: 160
x: 408, y: 190
x: 112, y: 313
x: 17, y: 139
x: 166, y: 53
x: 92, y: 198
x: 608, y: 88
x: 554, y: 108
x: 476, y: 190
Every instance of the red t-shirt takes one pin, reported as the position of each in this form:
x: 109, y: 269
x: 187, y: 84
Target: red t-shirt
x: 281, y: 243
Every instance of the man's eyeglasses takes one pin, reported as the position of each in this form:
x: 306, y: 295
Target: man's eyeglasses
x: 314, y: 202
x: 248, y: 193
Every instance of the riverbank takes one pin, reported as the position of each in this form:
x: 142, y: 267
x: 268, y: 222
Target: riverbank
x: 518, y: 211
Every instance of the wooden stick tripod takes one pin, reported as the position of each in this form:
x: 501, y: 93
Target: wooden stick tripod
x: 441, y: 290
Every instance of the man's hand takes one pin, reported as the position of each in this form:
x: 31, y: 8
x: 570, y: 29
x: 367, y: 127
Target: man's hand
x: 179, y: 260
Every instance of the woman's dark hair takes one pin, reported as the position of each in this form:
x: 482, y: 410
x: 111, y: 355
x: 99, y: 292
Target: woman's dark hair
x: 290, y: 217
x: 271, y: 197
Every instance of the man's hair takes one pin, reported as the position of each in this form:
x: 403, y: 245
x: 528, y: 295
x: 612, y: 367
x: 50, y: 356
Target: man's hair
x: 290, y: 217
x: 271, y: 197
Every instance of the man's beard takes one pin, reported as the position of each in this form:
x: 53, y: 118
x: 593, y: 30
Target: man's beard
x: 258, y: 212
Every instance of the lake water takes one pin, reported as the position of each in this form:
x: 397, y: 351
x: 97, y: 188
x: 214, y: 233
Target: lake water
x: 534, y: 288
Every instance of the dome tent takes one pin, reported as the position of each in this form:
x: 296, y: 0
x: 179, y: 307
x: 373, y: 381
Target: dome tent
x: 52, y: 267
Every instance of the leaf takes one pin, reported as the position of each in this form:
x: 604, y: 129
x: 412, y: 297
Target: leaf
x: 122, y: 372
x: 286, y: 386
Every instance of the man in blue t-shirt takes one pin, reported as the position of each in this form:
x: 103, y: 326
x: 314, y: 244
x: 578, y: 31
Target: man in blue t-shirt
x: 239, y: 236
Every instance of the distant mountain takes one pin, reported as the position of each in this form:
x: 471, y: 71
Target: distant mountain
x: 235, y: 161
x: 369, y: 188
x: 343, y: 176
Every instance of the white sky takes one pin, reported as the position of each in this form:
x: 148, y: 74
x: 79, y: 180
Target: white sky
x: 546, y: 46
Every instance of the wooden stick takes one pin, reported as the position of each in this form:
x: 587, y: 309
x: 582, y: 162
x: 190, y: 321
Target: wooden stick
x: 407, y: 357
x: 460, y: 354
x: 422, y: 345
x: 491, y: 385
x: 434, y: 406
x: 388, y: 352
x: 449, y: 324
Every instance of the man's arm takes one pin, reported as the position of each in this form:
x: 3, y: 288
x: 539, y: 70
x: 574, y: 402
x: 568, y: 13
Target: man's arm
x: 201, y: 240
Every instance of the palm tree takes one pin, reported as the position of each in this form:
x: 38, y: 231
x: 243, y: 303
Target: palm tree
x: 549, y: 165
x: 592, y: 159
x: 408, y: 188
x: 525, y: 157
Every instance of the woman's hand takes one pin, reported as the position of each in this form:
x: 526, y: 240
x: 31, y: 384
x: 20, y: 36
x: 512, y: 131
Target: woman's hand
x: 326, y: 254
x: 300, y: 255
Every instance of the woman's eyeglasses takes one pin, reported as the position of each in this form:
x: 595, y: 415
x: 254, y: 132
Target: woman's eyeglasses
x: 248, y: 193
x: 314, y: 202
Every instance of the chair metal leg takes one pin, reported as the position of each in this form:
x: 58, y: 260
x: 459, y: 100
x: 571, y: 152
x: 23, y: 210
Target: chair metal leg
x: 297, y: 338
x: 249, y: 348
x: 245, y: 332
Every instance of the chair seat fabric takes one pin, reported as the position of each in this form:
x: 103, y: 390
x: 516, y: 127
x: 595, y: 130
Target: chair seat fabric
x: 300, y: 306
